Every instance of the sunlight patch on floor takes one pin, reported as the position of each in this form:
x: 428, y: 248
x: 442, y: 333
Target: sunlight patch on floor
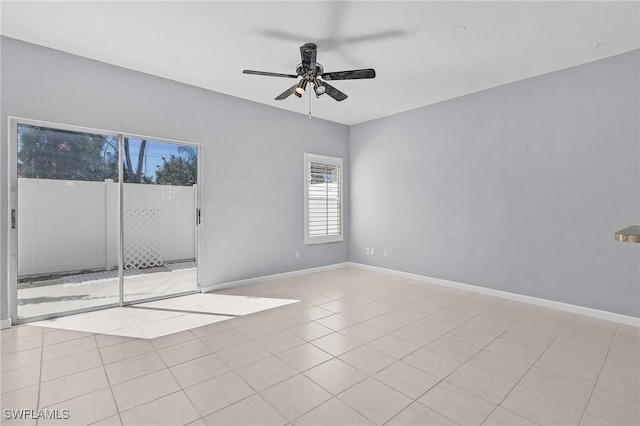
x: 163, y: 317
x: 221, y: 304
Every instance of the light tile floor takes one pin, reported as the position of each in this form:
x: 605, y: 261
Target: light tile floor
x: 152, y: 320
x: 360, y: 348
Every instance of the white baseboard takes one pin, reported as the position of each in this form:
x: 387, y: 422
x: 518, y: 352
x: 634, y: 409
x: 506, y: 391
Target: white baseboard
x: 264, y: 278
x: 5, y: 323
x: 561, y: 306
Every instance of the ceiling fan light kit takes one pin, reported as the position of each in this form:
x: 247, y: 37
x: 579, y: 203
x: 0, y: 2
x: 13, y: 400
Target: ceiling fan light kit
x: 301, y: 86
x: 312, y: 72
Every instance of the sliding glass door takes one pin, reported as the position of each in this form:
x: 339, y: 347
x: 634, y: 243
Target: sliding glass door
x: 67, y: 218
x: 100, y: 219
x: 159, y: 214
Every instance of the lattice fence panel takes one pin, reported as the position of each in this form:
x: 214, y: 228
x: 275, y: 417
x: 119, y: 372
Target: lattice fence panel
x: 142, y: 238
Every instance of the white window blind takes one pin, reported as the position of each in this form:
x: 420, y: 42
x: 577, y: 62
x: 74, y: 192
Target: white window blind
x: 323, y: 199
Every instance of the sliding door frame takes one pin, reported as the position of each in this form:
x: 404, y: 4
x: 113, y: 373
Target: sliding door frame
x: 12, y: 205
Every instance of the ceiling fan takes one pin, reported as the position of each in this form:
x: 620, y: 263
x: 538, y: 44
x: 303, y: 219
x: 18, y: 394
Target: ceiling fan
x: 312, y: 72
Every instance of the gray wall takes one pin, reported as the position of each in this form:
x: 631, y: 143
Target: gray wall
x: 517, y: 188
x: 252, y: 156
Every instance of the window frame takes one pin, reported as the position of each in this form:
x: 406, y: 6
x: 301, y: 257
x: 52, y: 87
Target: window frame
x: 329, y: 161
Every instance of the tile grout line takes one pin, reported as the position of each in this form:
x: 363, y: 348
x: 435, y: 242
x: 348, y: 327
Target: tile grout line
x: 529, y: 369
x: 231, y: 370
x: 532, y: 364
x: 144, y: 375
x: 156, y: 350
x: 482, y: 348
x: 542, y: 352
x: 241, y: 378
x: 176, y: 380
x: 66, y: 375
x: 42, y: 362
x: 40, y: 375
x: 465, y: 362
x: 371, y: 376
x: 308, y: 320
x: 104, y: 369
x: 258, y: 393
x: 298, y: 372
x: 595, y: 385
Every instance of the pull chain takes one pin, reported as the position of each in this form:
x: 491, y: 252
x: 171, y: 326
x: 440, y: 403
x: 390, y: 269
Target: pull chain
x: 309, y: 106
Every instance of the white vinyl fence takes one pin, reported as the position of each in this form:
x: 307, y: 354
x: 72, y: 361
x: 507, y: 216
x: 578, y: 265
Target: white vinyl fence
x: 66, y: 225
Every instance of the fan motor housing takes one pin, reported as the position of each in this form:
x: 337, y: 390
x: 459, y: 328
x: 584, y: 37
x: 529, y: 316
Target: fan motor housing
x: 310, y: 71
x: 308, y: 74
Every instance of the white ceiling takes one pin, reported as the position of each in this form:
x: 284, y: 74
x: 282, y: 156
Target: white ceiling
x: 419, y: 55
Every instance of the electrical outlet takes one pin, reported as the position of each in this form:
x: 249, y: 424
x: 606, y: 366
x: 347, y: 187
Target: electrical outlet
x: 297, y: 255
x: 385, y: 253
x: 366, y: 251
x: 372, y: 251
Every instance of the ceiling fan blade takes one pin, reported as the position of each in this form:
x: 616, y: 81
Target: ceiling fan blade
x: 333, y: 92
x: 350, y: 75
x: 308, y: 54
x: 270, y: 74
x: 282, y: 35
x: 284, y: 95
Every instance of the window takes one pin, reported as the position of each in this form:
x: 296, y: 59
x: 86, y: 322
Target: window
x: 48, y: 153
x: 323, y: 199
